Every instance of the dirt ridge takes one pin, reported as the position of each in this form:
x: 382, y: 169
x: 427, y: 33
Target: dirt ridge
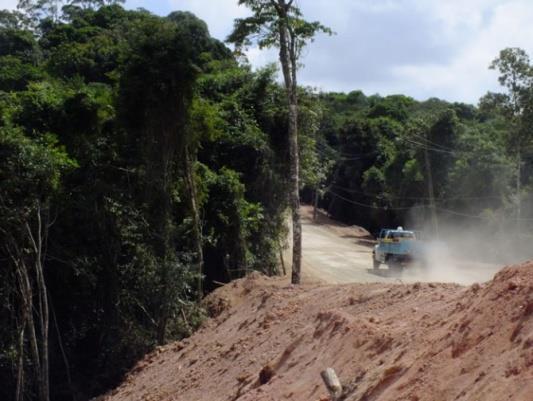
x: 268, y: 340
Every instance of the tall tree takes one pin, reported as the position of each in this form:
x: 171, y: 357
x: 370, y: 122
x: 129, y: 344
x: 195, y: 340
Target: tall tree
x: 32, y: 175
x: 167, y: 51
x: 279, y: 23
x: 516, y: 75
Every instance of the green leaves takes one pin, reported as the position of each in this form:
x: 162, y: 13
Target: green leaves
x: 16, y: 74
x: 30, y: 169
x: 230, y: 222
x: 269, y: 18
x: 103, y: 113
x: 516, y: 75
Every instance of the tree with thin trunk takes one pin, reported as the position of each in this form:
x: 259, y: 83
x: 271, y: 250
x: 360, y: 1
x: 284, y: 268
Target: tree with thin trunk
x: 516, y: 75
x: 26, y: 256
x: 32, y: 172
x: 280, y: 24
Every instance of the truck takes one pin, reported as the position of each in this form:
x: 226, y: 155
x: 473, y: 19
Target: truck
x: 397, y: 248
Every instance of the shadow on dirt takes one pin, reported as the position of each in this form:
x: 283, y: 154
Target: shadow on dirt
x: 363, y: 241
x: 394, y: 273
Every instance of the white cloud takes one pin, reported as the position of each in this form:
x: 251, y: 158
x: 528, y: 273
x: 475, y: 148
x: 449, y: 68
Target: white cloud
x: 219, y: 14
x: 466, y: 76
x: 8, y: 4
x: 260, y: 57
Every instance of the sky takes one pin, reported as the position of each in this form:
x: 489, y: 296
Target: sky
x: 420, y: 48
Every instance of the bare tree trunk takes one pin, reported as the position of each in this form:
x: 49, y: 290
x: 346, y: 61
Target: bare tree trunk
x: 42, y: 296
x: 33, y: 304
x: 25, y: 310
x: 295, y: 197
x: 34, y: 345
x: 20, y: 362
x: 315, y: 205
x: 26, y: 299
x: 197, y: 232
x: 287, y: 56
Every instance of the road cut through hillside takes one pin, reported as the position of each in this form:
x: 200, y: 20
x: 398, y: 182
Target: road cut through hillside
x: 389, y: 337
x: 268, y: 340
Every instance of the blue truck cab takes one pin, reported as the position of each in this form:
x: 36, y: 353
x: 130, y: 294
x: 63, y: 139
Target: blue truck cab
x: 396, y: 248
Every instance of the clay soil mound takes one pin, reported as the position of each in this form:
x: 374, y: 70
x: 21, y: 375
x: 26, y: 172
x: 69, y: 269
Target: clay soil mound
x: 270, y: 341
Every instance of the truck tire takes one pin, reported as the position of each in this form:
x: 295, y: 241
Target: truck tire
x: 375, y: 263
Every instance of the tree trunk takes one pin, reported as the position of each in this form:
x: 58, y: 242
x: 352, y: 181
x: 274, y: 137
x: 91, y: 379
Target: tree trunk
x: 34, y: 306
x: 315, y: 206
x: 20, y: 361
x: 295, y: 196
x: 26, y: 300
x: 42, y: 296
x: 197, y: 232
x: 162, y: 326
x: 287, y: 56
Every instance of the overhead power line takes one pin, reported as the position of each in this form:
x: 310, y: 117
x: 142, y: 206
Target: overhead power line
x: 430, y: 148
x: 370, y: 195
x: 324, y: 148
x: 423, y: 206
x: 436, y: 145
x: 373, y: 206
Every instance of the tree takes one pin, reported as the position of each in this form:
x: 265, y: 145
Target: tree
x: 150, y: 109
x: 31, y: 172
x: 166, y: 51
x: 37, y: 10
x: 94, y: 4
x: 279, y: 23
x: 516, y: 75
x: 13, y: 20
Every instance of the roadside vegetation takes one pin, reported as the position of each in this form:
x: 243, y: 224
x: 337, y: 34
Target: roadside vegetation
x: 434, y: 165
x: 142, y: 163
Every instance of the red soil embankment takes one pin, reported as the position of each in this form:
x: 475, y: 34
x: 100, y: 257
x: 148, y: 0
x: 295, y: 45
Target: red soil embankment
x: 387, y: 342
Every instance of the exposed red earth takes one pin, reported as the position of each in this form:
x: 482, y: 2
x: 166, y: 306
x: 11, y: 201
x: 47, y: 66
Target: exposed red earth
x: 268, y: 340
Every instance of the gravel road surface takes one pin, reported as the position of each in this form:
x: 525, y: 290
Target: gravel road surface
x: 338, y: 254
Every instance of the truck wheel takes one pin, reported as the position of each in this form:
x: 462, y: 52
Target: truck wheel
x: 375, y: 263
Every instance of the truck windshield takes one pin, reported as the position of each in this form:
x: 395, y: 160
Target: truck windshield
x: 402, y: 235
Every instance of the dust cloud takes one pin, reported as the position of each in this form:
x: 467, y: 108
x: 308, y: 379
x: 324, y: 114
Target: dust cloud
x: 466, y: 252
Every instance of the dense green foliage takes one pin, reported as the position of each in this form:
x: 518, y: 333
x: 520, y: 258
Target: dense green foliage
x: 384, y: 150
x: 124, y: 132
x: 141, y: 164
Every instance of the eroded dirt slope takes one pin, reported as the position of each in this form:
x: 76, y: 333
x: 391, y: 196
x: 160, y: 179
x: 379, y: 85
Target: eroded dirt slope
x: 387, y: 342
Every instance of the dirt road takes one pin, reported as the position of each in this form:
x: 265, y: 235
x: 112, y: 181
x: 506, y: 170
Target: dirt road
x: 337, y: 254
